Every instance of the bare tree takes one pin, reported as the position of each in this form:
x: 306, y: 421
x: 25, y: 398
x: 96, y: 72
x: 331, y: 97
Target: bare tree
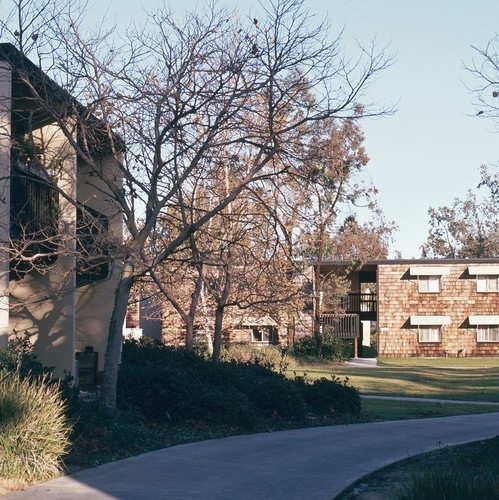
x: 166, y: 98
x: 485, y: 69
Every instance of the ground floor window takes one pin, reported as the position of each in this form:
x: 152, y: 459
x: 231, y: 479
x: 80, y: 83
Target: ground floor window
x: 430, y: 333
x: 487, y: 333
x: 264, y: 334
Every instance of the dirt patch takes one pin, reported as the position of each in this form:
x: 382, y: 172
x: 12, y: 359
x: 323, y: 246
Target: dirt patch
x: 10, y: 485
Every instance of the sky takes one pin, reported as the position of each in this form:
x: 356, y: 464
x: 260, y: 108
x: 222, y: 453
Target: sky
x: 429, y: 152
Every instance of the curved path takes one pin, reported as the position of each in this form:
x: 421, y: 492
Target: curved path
x: 316, y: 463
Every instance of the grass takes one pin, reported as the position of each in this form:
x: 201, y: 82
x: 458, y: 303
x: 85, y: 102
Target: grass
x: 401, y: 410
x: 467, y: 379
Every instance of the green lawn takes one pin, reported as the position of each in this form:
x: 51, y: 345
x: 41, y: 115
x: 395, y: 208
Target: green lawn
x: 467, y: 379
x: 401, y: 410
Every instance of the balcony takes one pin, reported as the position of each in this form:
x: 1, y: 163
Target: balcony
x: 363, y: 304
x: 345, y: 326
x: 33, y: 222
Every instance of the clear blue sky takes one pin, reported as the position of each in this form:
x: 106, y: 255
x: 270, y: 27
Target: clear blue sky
x: 430, y: 151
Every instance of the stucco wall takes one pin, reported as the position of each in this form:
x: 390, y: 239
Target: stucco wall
x: 42, y: 303
x: 95, y: 301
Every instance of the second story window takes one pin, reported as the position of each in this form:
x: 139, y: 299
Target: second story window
x: 487, y: 277
x: 92, y: 245
x: 429, y: 278
x: 487, y: 283
x: 429, y: 284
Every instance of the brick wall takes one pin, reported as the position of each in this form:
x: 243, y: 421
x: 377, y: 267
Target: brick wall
x: 398, y: 299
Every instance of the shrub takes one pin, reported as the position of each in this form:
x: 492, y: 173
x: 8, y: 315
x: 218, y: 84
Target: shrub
x: 34, y: 433
x: 333, y: 349
x: 272, y: 394
x: 174, y: 384
x: 324, y: 395
x: 270, y: 357
x: 19, y: 356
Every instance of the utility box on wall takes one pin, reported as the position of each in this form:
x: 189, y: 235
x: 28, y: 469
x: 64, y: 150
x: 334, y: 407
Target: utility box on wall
x: 87, y: 367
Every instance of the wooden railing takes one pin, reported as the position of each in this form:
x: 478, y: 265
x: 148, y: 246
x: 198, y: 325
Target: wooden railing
x: 345, y: 326
x: 360, y: 302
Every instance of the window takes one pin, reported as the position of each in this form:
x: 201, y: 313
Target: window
x: 264, y: 334
x: 91, y: 233
x: 487, y: 283
x: 429, y: 277
x: 429, y: 284
x: 487, y: 333
x: 429, y: 333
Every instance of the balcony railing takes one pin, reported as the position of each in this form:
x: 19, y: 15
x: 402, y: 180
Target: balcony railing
x: 345, y: 326
x: 33, y: 221
x: 356, y: 303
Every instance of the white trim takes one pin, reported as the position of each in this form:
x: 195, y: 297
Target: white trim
x: 429, y: 320
x: 429, y: 271
x: 483, y: 320
x: 483, y: 270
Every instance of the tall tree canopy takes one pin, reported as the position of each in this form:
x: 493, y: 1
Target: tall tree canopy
x: 469, y: 227
x: 173, y: 95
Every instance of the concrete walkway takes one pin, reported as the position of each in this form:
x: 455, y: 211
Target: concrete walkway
x: 316, y: 463
x: 432, y: 400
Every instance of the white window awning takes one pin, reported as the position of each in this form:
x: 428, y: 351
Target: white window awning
x: 483, y: 270
x: 484, y: 320
x: 429, y: 271
x: 429, y: 320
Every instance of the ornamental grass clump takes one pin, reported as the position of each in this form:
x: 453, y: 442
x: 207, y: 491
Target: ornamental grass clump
x: 34, y: 432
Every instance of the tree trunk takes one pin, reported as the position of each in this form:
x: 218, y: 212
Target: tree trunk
x: 189, y: 320
x: 115, y: 339
x: 219, y: 313
x: 217, y: 343
x: 317, y: 294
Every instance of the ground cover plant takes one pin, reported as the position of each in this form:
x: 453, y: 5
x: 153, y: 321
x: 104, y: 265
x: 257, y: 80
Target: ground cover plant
x: 464, y: 472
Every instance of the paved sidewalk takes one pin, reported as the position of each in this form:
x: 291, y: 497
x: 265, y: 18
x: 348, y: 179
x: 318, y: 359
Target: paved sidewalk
x: 432, y: 400
x: 316, y: 463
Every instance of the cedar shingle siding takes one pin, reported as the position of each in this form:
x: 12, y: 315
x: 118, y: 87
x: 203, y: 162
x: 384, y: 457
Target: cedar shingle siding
x: 399, y: 299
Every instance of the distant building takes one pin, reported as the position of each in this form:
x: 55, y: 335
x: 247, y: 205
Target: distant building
x: 427, y: 307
